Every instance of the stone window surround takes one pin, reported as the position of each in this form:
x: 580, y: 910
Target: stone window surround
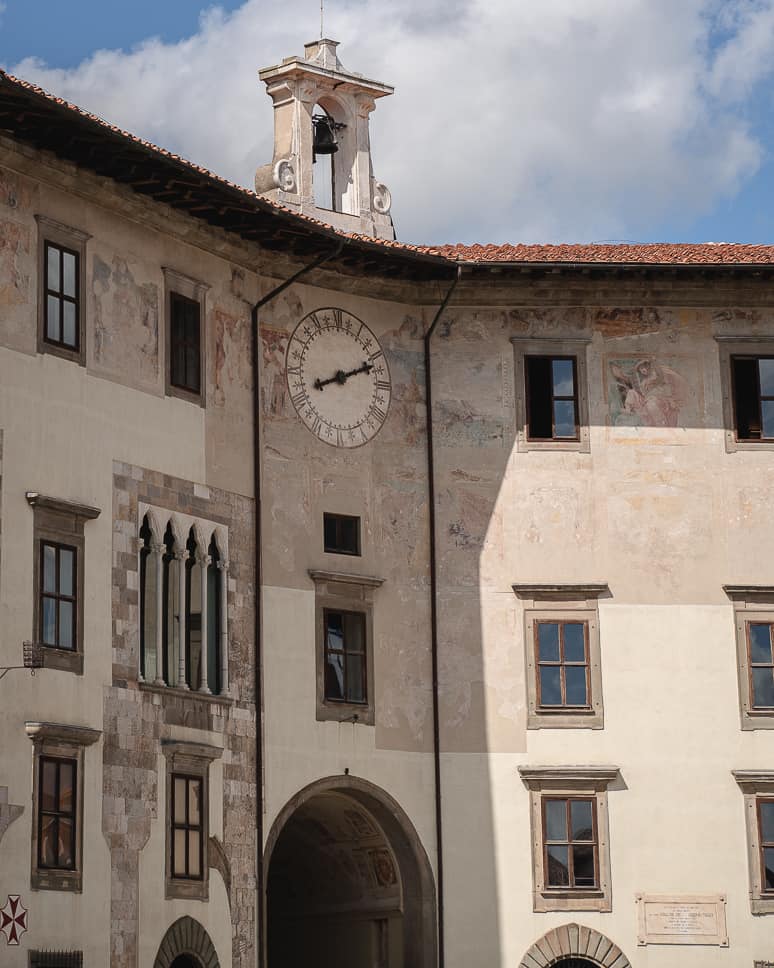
x: 204, y: 530
x: 755, y: 784
x: 348, y: 593
x: 752, y: 603
x: 190, y: 759
x: 194, y: 289
x: 61, y: 522
x: 729, y: 346
x: 563, y: 603
x: 49, y: 230
x: 66, y: 742
x: 570, y: 781
x: 575, y: 346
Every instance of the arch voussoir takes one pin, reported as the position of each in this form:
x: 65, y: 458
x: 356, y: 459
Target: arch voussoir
x: 186, y: 937
x: 574, y: 940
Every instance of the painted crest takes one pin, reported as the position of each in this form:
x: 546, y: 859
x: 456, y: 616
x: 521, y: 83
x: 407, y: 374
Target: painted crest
x: 13, y: 919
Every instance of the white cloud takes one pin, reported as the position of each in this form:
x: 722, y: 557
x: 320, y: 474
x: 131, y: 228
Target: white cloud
x: 512, y: 119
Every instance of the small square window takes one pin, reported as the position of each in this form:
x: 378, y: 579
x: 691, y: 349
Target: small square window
x: 552, y: 397
x: 187, y: 828
x: 341, y: 534
x: 562, y: 659
x: 570, y: 843
x: 62, y: 291
x: 752, y: 379
x: 345, y: 657
x: 185, y: 343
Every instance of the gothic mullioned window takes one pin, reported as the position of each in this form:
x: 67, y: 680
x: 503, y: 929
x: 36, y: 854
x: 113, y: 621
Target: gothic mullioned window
x: 183, y: 592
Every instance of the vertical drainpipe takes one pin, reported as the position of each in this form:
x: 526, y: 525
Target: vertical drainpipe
x: 434, y: 616
x: 261, y: 960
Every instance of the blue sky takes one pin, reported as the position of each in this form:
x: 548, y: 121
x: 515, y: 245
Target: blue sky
x: 513, y: 120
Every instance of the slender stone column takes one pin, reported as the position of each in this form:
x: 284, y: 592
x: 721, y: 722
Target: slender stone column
x: 204, y: 562
x: 224, y: 685
x: 157, y: 550
x: 182, y: 557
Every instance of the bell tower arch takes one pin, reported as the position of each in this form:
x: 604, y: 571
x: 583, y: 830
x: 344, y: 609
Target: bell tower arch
x: 322, y: 147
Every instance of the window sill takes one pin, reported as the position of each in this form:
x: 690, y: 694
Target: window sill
x: 65, y: 660
x: 191, y: 695
x: 565, y: 718
x: 52, y: 880
x: 345, y: 712
x: 566, y: 899
x: 187, y: 890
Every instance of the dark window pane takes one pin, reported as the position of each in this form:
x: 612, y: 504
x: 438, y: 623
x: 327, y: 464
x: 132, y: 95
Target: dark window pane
x: 334, y: 677
x: 760, y: 642
x: 548, y: 641
x: 563, y: 380
x: 354, y: 633
x: 48, y: 842
x: 66, y: 845
x: 194, y: 860
x: 192, y: 368
x: 178, y: 866
x: 766, y: 374
x: 65, y: 625
x: 194, y: 796
x: 179, y: 795
x: 48, y: 785
x: 564, y: 418
x: 574, y: 642
x: 49, y: 569
x: 767, y: 419
x: 355, y: 679
x: 49, y: 621
x: 538, y: 378
x: 330, y: 536
x: 767, y: 822
x: 66, y: 562
x: 53, y: 268
x: 52, y: 318
x: 768, y: 869
x: 335, y: 631
x: 763, y: 687
x: 575, y: 685
x: 68, y: 260
x: 746, y: 400
x: 550, y: 686
x: 583, y: 866
x: 556, y: 819
x: 581, y: 823
x: 66, y: 777
x: 558, y: 874
x: 68, y: 324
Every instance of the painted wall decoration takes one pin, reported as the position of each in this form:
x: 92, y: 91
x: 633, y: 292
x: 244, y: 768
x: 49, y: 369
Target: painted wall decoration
x: 646, y: 391
x: 13, y: 919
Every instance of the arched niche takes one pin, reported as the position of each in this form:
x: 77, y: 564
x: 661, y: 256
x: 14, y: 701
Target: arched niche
x: 348, y: 879
x: 574, y: 946
x: 335, y: 184
x: 186, y: 945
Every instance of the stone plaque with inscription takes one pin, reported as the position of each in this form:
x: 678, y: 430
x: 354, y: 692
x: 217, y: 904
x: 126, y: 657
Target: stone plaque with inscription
x: 682, y: 919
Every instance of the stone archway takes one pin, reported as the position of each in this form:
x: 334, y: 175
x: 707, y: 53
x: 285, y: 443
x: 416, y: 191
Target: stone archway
x: 186, y: 945
x: 574, y: 946
x: 348, y: 881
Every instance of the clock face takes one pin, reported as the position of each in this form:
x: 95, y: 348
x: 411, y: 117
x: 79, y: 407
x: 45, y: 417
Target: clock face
x: 338, y: 378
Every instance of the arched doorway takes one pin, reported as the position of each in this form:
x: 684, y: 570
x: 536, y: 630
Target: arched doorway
x: 186, y: 945
x: 185, y: 961
x: 574, y: 946
x: 348, y: 882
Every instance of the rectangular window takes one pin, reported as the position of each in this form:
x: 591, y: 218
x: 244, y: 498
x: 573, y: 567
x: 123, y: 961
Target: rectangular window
x: 62, y: 298
x: 760, y: 654
x: 766, y: 841
x: 552, y: 397
x: 562, y: 659
x: 753, y: 393
x: 58, y: 595
x: 56, y: 959
x: 570, y: 842
x: 341, y: 534
x: 185, y: 343
x: 187, y: 827
x: 345, y: 656
x: 57, y: 786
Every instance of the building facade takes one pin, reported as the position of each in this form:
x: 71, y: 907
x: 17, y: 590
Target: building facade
x: 324, y: 680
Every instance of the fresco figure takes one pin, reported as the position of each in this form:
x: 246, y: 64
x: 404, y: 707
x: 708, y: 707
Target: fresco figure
x: 646, y: 393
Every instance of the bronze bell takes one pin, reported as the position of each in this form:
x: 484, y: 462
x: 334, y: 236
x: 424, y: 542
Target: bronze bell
x: 324, y: 142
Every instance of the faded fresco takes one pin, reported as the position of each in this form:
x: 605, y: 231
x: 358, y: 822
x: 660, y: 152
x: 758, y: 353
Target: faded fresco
x: 274, y: 389
x: 645, y: 391
x: 14, y: 267
x: 121, y: 303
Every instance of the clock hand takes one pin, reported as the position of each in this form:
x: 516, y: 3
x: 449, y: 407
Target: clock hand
x: 341, y: 377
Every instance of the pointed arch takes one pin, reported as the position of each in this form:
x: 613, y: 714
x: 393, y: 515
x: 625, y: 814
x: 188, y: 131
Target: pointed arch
x: 559, y: 946
x: 186, y: 937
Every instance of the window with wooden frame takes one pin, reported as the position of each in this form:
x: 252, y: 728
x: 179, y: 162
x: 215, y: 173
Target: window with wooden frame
x: 345, y: 657
x: 757, y: 787
x: 570, y: 849
x: 754, y: 622
x: 61, y: 288
x: 57, y: 804
x: 551, y: 393
x: 58, y: 571
x: 188, y: 817
x: 344, y: 620
x: 552, y: 397
x: 185, y: 340
x: 187, y: 827
x: 570, y: 836
x: 562, y: 655
x: 341, y: 534
x: 752, y: 381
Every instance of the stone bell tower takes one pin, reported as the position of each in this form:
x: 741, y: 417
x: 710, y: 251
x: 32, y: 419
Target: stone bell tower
x: 322, y: 148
